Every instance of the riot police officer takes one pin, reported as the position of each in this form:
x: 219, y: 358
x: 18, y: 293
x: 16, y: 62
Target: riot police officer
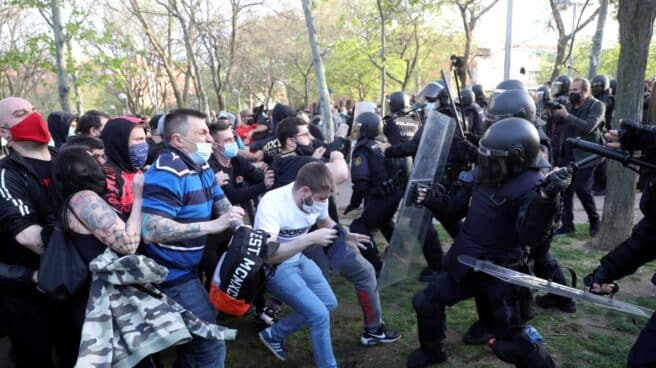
x: 638, y: 249
x: 506, y: 214
x: 377, y: 180
x: 600, y: 88
x: 398, y: 126
x: 473, y: 113
x: 481, y: 99
x: 560, y: 86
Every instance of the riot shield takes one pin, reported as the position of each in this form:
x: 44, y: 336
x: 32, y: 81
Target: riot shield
x: 532, y: 282
x: 404, y: 252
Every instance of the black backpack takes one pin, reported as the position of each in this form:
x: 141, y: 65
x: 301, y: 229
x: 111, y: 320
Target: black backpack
x: 239, y: 276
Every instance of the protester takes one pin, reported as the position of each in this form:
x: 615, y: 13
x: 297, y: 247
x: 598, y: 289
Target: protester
x: 126, y: 151
x: 92, y: 123
x: 61, y: 126
x: 180, y: 198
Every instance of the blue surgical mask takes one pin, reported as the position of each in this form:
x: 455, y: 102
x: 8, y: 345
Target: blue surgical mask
x: 315, y: 207
x: 71, y: 131
x: 203, y: 153
x: 230, y: 150
x: 430, y: 106
x: 138, y: 154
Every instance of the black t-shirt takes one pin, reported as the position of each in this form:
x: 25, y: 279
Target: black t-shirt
x: 286, y: 168
x: 43, y: 170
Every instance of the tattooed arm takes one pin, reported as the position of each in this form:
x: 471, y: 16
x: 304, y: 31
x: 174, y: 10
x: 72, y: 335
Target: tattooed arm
x: 103, y: 222
x: 223, y: 206
x: 158, y: 229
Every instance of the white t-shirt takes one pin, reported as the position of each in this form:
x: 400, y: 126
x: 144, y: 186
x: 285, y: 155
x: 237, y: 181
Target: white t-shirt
x: 277, y: 213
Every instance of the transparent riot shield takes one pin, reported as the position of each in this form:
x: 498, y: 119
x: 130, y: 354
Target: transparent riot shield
x: 405, y: 249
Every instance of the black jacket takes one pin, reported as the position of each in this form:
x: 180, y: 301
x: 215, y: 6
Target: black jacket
x: 584, y: 122
x: 23, y: 202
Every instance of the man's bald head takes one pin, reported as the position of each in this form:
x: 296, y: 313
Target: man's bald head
x: 13, y: 110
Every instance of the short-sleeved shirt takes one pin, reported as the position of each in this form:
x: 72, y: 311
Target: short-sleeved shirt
x: 178, y: 189
x: 278, y: 213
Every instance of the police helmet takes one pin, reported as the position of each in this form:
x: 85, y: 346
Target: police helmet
x: 398, y: 101
x: 478, y: 91
x: 444, y: 97
x: 613, y: 86
x: 560, y: 85
x: 599, y: 84
x: 509, y: 84
x: 512, y: 103
x: 467, y: 97
x: 369, y: 125
x: 507, y: 149
x: 546, y: 93
x: 430, y: 92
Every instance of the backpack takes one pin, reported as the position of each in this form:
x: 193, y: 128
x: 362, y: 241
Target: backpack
x: 239, y: 276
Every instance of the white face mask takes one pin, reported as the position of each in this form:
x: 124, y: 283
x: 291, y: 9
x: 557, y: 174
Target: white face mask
x: 315, y: 207
x: 203, y: 153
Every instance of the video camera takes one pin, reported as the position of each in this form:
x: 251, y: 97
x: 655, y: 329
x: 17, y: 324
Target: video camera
x: 557, y: 103
x: 458, y: 62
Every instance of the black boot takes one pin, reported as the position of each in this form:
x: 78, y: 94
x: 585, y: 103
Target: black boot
x: 566, y: 305
x: 477, y: 334
x: 420, y: 359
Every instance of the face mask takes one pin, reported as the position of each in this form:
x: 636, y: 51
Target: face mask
x: 430, y: 106
x: 203, y: 153
x: 315, y: 207
x: 71, y: 131
x: 33, y: 128
x: 138, y: 154
x: 574, y: 98
x: 230, y: 150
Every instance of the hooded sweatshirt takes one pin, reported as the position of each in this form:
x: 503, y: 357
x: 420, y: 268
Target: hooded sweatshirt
x: 58, y: 124
x: 118, y: 168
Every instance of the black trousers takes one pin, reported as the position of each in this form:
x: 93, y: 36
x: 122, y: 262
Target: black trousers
x: 377, y: 214
x: 582, y: 186
x: 36, y: 325
x: 643, y: 354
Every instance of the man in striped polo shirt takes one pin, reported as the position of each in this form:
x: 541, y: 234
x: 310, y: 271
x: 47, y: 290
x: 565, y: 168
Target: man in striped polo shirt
x: 182, y: 205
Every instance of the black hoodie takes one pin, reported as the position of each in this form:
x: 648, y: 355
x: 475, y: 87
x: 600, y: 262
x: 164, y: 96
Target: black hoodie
x: 58, y: 124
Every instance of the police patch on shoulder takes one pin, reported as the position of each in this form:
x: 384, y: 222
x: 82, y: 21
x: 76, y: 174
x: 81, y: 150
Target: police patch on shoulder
x: 357, y: 160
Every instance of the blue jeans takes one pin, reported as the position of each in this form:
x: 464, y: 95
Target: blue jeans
x: 199, y: 352
x: 301, y: 285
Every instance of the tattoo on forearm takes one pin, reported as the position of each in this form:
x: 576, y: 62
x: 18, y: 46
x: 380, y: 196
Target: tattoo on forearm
x: 158, y: 229
x: 221, y: 206
x: 99, y: 218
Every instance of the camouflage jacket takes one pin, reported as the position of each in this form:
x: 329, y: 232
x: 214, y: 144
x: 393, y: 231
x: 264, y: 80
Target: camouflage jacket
x: 128, y: 319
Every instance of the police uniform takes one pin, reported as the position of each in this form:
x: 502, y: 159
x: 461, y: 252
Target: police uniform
x: 380, y: 182
x: 503, y: 217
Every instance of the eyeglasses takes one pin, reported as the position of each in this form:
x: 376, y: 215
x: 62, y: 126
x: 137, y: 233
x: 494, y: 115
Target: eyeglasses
x: 306, y: 134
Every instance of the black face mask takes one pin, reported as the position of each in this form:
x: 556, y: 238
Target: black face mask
x: 574, y: 98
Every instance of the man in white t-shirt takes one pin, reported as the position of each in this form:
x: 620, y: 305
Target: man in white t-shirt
x: 287, y: 214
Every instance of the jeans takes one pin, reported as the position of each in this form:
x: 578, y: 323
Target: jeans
x: 199, y: 352
x: 302, y: 286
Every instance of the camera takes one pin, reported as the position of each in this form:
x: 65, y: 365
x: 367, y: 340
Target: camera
x: 457, y: 62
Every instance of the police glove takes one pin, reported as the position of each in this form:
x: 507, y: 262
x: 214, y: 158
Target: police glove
x: 600, y: 281
x: 635, y: 136
x: 556, y: 182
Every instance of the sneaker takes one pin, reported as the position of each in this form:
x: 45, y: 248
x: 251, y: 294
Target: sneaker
x: 420, y: 359
x: 380, y: 336
x: 594, y: 228
x: 477, y: 334
x: 564, y: 230
x: 277, y: 348
x: 426, y: 274
x: 555, y: 301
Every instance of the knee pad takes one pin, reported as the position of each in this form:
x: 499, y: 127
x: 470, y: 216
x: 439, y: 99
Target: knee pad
x: 422, y: 305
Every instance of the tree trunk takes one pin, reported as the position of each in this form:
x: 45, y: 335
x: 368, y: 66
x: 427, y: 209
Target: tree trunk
x: 62, y: 76
x: 70, y: 67
x: 383, y: 60
x: 560, y: 56
x: 597, y: 39
x: 203, y: 105
x: 636, y: 18
x: 324, y: 99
